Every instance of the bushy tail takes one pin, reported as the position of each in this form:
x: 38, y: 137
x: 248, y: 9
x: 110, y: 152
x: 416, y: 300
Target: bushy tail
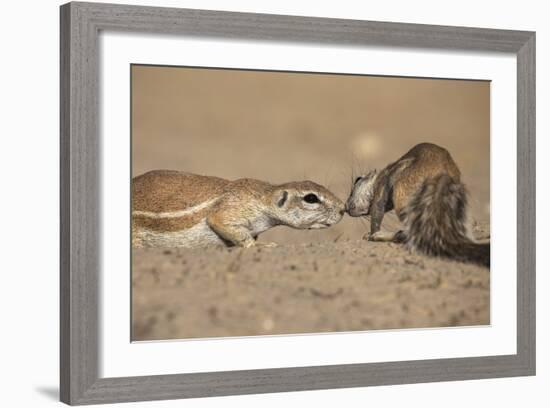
x: 436, y: 222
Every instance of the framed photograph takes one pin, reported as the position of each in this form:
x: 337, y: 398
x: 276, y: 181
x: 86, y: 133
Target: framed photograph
x: 261, y: 203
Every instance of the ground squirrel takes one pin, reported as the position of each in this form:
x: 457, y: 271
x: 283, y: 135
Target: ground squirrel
x: 424, y: 189
x: 177, y: 209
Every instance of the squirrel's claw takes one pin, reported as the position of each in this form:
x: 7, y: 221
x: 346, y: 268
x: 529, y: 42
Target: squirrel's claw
x: 267, y: 244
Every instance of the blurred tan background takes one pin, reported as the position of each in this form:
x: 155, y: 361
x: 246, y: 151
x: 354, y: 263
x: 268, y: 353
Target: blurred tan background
x: 280, y: 127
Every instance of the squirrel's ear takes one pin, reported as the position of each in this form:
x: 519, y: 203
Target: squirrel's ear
x: 281, y: 197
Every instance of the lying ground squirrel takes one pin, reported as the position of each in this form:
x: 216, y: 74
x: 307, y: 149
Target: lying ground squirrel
x: 177, y: 209
x: 424, y: 189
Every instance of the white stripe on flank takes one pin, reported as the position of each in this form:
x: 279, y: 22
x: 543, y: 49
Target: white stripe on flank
x: 176, y: 214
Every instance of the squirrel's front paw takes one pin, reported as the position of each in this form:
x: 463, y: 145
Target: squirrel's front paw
x: 369, y: 236
x: 249, y: 243
x: 378, y: 236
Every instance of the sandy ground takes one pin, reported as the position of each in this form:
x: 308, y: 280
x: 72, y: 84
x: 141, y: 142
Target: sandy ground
x: 301, y: 288
x: 281, y: 127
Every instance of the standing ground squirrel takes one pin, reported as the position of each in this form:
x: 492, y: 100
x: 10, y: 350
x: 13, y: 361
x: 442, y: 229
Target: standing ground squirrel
x: 424, y: 189
x: 177, y: 209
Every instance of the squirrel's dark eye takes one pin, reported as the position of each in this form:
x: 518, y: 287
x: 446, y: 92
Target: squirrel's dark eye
x: 311, y: 198
x: 357, y: 180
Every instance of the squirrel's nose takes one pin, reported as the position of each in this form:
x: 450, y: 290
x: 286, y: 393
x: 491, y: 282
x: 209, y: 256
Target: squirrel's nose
x: 349, y: 207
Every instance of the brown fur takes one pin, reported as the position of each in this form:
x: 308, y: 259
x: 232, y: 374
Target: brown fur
x: 424, y: 189
x: 171, y: 208
x: 424, y: 161
x: 168, y: 190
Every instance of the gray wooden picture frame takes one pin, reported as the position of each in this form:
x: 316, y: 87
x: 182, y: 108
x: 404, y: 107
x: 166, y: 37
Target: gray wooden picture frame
x: 80, y: 192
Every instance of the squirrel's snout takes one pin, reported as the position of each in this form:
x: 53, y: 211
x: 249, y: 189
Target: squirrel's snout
x: 353, y: 211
